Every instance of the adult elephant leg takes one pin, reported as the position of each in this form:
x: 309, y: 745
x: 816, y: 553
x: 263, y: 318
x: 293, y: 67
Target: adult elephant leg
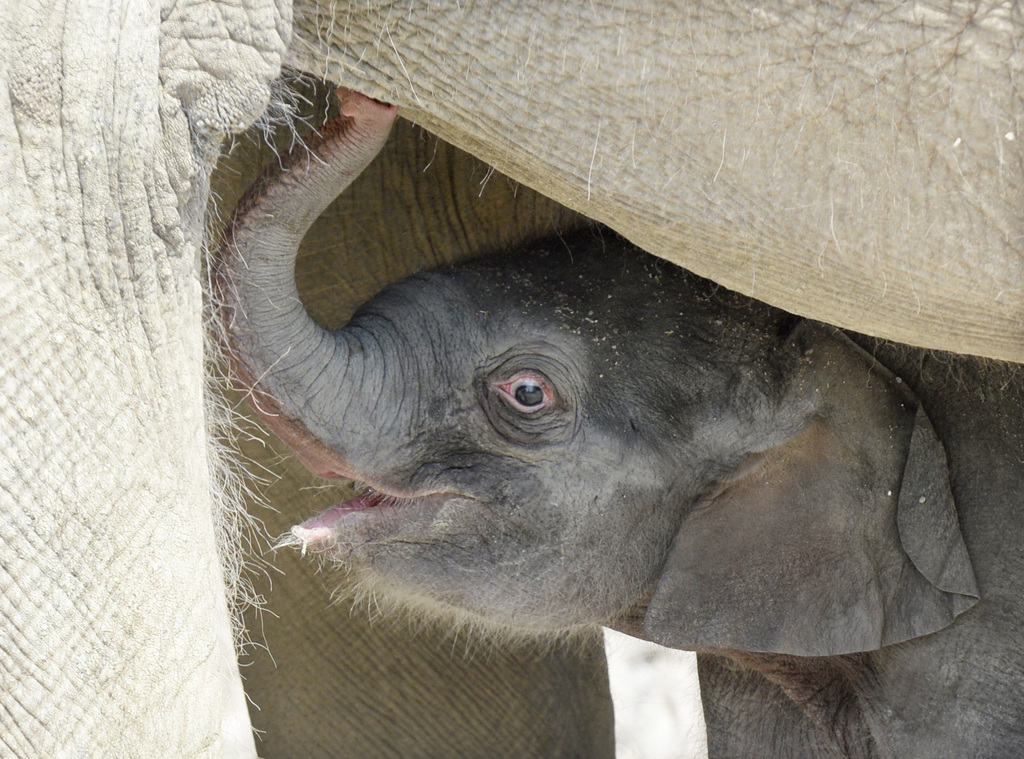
x: 332, y: 679
x: 114, y: 626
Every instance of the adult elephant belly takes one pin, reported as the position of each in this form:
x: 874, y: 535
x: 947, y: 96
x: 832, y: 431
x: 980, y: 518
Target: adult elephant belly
x: 853, y: 164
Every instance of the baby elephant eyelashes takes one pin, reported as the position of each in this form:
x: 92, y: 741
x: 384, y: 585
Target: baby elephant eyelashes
x: 528, y: 392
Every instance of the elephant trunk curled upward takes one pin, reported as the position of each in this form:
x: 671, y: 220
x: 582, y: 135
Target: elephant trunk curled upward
x: 576, y: 433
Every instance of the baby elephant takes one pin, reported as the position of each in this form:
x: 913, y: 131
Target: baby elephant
x: 578, y: 433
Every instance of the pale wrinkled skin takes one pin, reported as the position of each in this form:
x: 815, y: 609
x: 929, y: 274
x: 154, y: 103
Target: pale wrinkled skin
x: 104, y: 435
x: 117, y: 640
x: 107, y: 543
x: 848, y: 161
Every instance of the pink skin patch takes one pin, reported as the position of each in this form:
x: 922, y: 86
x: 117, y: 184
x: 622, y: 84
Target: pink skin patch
x: 321, y: 533
x: 355, y: 105
x: 317, y: 534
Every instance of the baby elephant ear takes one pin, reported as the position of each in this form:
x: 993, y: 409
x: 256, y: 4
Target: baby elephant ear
x: 929, y: 528
x: 844, y: 538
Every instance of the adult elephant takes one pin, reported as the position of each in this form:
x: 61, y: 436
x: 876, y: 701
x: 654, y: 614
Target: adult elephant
x: 851, y: 163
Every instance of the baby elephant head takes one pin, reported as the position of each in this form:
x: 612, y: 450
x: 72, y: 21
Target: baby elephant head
x: 578, y: 433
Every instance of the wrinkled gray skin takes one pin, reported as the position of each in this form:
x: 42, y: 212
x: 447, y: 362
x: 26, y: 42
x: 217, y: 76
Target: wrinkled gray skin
x: 679, y: 462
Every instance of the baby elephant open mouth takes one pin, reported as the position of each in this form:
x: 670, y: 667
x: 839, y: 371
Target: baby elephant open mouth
x: 320, y: 532
x: 325, y: 532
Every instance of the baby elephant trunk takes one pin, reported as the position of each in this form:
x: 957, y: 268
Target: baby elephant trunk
x: 273, y: 346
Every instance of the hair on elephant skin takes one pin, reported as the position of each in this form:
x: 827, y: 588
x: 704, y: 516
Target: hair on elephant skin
x: 574, y: 433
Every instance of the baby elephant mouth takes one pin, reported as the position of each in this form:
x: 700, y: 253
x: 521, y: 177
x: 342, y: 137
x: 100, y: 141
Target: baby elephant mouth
x: 326, y: 531
x: 321, y: 532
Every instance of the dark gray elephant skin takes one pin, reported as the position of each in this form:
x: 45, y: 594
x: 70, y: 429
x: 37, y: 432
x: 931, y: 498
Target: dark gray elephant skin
x: 578, y: 434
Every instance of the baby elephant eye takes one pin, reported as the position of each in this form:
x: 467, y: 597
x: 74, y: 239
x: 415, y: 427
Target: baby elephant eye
x: 527, y: 392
